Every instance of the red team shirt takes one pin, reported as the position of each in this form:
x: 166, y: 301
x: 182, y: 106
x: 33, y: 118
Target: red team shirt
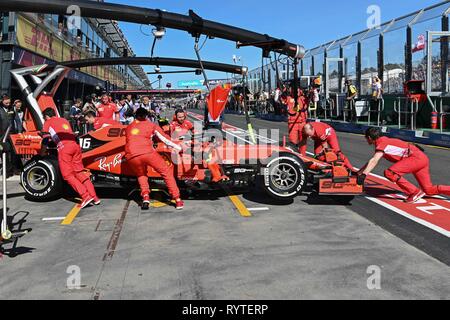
x: 140, y: 138
x: 322, y: 131
x: 294, y: 116
x: 178, y: 130
x: 106, y: 111
x: 394, y: 150
x: 60, y: 131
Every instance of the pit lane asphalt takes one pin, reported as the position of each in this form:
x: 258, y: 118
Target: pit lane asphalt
x: 209, y: 251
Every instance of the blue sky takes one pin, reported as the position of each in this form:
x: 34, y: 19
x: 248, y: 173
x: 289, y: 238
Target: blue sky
x: 309, y: 23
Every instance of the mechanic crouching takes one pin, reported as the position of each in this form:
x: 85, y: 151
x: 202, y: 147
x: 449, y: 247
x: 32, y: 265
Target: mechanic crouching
x: 407, y: 158
x: 325, y: 137
x: 180, y: 127
x: 69, y: 156
x: 140, y: 155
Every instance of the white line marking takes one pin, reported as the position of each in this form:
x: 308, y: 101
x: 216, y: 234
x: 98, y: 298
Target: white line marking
x: 53, y: 219
x: 256, y: 135
x: 415, y: 219
x: 240, y: 138
x: 242, y: 131
x: 258, y: 209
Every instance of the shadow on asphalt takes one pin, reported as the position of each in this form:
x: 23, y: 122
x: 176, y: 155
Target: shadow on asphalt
x: 16, y: 226
x: 314, y: 199
x: 16, y: 195
x: 262, y: 198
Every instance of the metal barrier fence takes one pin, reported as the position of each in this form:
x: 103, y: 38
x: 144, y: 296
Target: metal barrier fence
x: 411, y: 107
x: 442, y: 113
x: 378, y: 111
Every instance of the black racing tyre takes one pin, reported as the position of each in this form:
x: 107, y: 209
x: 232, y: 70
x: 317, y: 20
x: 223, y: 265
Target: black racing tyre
x: 41, y: 179
x: 284, y: 177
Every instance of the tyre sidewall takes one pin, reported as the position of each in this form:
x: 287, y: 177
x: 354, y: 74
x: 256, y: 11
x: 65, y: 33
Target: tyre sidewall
x: 54, y: 186
x: 272, y: 190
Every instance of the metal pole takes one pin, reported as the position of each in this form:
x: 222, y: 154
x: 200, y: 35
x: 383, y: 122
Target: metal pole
x: 441, y: 115
x: 5, y: 196
x: 5, y: 234
x: 197, y: 52
x: 246, y: 110
x: 205, y: 77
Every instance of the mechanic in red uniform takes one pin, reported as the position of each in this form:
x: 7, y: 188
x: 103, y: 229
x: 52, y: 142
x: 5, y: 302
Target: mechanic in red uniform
x: 297, y: 116
x: 140, y: 155
x: 106, y: 109
x: 179, y: 127
x: 407, y: 158
x: 69, y: 156
x: 325, y: 137
x: 98, y: 122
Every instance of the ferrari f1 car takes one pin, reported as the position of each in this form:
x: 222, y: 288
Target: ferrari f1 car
x: 280, y: 172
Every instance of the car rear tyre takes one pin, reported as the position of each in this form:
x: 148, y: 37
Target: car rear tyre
x: 284, y: 177
x: 41, y: 179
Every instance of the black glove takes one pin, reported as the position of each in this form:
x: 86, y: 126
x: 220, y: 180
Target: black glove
x: 361, y: 179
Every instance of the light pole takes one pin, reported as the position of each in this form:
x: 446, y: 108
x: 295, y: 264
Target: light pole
x: 159, y: 79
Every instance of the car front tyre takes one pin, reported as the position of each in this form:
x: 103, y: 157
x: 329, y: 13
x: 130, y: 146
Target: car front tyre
x: 41, y: 179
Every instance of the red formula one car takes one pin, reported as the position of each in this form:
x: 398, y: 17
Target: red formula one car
x: 280, y: 172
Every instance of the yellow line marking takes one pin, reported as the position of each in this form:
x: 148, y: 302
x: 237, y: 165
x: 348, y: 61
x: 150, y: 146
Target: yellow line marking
x: 158, y: 204
x: 240, y: 206
x: 158, y: 201
x: 71, y: 216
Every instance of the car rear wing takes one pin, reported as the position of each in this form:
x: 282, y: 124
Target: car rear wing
x: 38, y: 99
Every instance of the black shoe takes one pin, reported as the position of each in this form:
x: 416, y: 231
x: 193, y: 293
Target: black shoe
x: 145, y: 206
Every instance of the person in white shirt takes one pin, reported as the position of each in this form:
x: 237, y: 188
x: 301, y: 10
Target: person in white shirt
x: 377, y: 97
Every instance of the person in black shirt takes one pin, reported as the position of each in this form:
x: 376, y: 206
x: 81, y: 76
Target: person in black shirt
x: 6, y: 116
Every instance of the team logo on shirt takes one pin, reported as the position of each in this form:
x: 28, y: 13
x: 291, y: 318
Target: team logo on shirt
x: 135, y: 131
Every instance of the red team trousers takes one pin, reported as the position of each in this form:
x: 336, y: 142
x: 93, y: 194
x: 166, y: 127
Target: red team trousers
x: 297, y: 137
x: 154, y: 160
x: 72, y: 170
x: 417, y: 164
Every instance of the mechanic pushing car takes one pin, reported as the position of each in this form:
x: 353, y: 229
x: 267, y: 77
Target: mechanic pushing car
x: 69, y: 156
x: 106, y: 109
x: 325, y: 137
x: 297, y: 116
x: 407, y: 158
x: 98, y: 122
x: 140, y: 155
x: 180, y: 127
